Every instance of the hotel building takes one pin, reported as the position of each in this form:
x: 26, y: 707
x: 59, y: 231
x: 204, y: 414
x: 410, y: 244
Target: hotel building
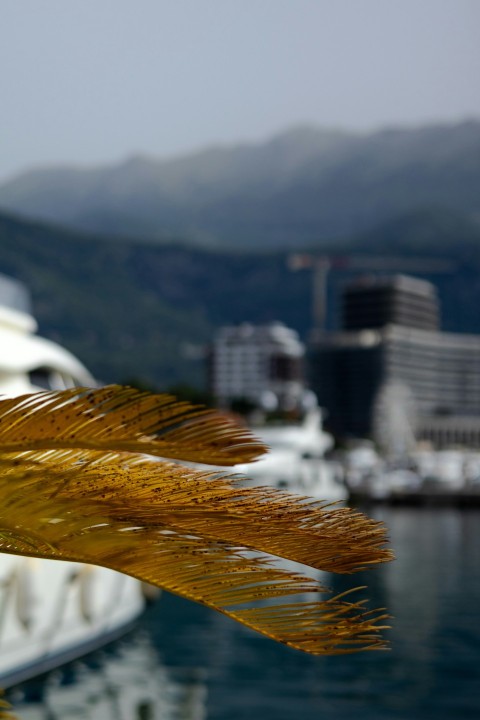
x: 262, y: 364
x: 390, y: 337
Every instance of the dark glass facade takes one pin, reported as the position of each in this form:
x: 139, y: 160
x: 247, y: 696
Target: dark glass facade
x: 401, y: 300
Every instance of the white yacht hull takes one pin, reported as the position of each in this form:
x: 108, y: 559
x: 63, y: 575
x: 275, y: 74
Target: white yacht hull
x: 50, y: 611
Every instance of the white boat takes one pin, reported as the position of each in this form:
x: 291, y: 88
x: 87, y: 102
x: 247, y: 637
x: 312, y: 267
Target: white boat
x: 50, y: 612
x: 425, y: 473
x: 296, y: 460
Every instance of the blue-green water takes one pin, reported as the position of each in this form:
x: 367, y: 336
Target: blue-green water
x: 186, y: 662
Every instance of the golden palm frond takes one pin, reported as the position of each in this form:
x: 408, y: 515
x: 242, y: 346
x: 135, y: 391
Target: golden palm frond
x: 122, y: 419
x: 5, y: 708
x: 75, y: 485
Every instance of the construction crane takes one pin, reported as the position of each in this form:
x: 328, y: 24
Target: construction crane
x: 321, y: 265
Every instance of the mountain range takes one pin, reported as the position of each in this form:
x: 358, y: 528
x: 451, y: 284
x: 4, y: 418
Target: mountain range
x: 305, y: 187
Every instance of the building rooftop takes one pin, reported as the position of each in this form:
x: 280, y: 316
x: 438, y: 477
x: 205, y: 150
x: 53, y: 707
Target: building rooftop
x: 275, y: 333
x: 405, y: 283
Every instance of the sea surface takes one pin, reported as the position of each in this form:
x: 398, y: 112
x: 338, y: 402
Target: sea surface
x: 185, y: 662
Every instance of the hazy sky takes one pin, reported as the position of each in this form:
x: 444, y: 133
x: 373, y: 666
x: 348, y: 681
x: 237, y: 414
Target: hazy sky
x: 93, y: 81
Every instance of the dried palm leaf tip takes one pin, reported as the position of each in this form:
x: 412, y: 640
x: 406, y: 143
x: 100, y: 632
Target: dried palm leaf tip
x: 75, y: 484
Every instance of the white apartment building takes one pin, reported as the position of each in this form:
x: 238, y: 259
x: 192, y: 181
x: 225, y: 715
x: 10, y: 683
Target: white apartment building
x: 262, y: 364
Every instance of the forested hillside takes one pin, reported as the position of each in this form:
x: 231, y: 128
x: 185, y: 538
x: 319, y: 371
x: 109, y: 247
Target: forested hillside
x: 132, y: 310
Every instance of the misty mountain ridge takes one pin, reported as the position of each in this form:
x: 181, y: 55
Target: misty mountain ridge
x: 306, y: 186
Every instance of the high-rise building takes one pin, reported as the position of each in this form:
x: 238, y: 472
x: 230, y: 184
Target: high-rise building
x: 390, y: 353
x: 262, y: 364
x: 399, y: 300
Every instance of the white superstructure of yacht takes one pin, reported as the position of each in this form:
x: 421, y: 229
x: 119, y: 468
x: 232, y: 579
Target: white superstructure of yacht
x: 296, y: 460
x: 50, y: 611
